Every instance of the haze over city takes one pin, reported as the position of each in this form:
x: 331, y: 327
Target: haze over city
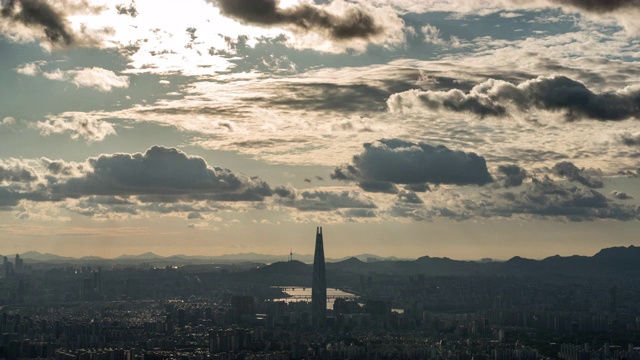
x: 404, y: 127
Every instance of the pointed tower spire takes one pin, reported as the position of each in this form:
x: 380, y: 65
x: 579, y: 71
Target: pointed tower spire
x: 319, y: 284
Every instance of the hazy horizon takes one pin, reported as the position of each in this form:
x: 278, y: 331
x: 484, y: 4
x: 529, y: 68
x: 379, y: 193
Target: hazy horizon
x: 330, y: 253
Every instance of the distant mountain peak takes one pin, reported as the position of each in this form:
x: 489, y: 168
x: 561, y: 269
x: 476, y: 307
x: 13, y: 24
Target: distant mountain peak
x: 34, y: 255
x: 619, y: 251
x: 147, y: 255
x: 351, y: 260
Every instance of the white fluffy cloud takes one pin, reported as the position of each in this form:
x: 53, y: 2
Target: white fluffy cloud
x: 98, y: 78
x: 8, y: 121
x: 78, y: 125
x: 29, y: 69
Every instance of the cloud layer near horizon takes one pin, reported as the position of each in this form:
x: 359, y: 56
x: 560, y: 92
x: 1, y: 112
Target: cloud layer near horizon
x: 159, y: 171
x: 161, y: 174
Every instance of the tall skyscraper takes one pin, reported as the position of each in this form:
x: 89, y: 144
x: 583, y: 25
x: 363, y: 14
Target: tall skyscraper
x: 319, y: 285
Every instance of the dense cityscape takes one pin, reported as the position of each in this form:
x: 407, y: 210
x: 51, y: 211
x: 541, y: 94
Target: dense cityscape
x: 246, y: 310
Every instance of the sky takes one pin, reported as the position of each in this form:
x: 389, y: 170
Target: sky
x: 448, y: 128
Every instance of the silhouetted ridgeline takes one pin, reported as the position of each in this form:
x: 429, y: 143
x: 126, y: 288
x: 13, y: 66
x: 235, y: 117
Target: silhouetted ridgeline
x: 607, y: 261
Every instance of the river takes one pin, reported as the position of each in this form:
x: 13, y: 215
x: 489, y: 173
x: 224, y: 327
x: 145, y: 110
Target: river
x: 299, y: 293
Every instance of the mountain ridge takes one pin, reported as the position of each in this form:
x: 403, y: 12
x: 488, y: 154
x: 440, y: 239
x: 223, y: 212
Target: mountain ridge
x: 607, y: 260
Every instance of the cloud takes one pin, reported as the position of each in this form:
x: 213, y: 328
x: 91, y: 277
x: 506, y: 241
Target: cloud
x: 339, y: 21
x: 510, y: 15
x: 29, y: 69
x: 101, y: 79
x: 621, y: 195
x: 409, y: 197
x: 418, y: 187
x: 540, y: 199
x: 401, y: 162
x: 407, y: 204
x: 16, y: 171
x: 79, y: 125
x: 130, y: 10
x: 163, y: 172
x: 587, y: 178
x: 11, y: 196
x: 61, y: 169
x: 432, y: 35
x: 25, y: 20
x: 601, y: 6
x: 107, y: 207
x: 378, y: 186
x: 501, y: 98
x: 8, y: 121
x: 351, y: 214
x: 56, y: 74
x: 513, y: 175
x: 629, y: 139
x: 39, y: 14
x: 550, y: 199
x: 327, y: 201
x: 8, y: 198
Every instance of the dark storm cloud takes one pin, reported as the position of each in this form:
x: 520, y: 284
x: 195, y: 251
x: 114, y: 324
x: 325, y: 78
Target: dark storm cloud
x: 161, y: 171
x: 499, y: 98
x: 38, y: 13
x: 356, y: 22
x: 402, y: 162
x: 512, y: 175
x: 600, y: 6
x: 571, y: 172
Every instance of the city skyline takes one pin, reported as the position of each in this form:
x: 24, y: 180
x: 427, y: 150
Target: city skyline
x: 409, y: 128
